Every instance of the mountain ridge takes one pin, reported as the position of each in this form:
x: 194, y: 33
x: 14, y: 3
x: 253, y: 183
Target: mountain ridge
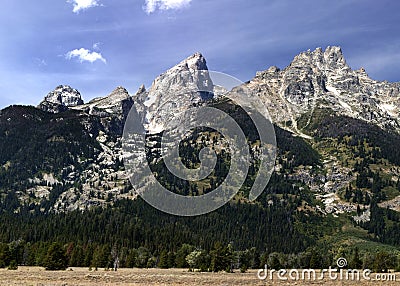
x: 314, y: 81
x: 323, y: 78
x: 319, y: 78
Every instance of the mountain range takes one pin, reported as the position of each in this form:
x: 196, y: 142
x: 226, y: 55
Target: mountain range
x: 337, y: 132
x: 314, y: 81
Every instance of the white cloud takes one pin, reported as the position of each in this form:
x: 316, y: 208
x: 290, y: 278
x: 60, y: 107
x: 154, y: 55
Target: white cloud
x: 96, y: 46
x: 85, y: 55
x: 83, y: 4
x: 40, y: 62
x: 152, y: 5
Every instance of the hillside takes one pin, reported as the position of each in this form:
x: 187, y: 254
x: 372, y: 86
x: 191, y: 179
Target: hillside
x: 335, y: 186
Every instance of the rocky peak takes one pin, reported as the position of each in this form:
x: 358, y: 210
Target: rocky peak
x: 331, y: 58
x: 111, y: 110
x: 111, y: 104
x: 177, y: 89
x: 273, y: 69
x: 119, y: 94
x: 334, y: 54
x: 195, y: 62
x: 141, y: 89
x: 62, y: 97
x: 322, y: 78
x: 65, y: 95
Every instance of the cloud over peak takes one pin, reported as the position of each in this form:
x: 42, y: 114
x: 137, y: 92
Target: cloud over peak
x: 83, y: 4
x: 84, y: 55
x: 152, y: 5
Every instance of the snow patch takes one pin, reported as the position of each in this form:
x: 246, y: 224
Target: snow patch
x: 389, y: 108
x: 192, y: 61
x: 154, y: 128
x: 333, y: 90
x: 345, y: 105
x: 150, y: 100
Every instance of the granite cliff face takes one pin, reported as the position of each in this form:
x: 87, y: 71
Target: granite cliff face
x: 314, y: 81
x: 323, y: 79
x: 62, y: 97
x: 186, y: 84
x: 112, y: 109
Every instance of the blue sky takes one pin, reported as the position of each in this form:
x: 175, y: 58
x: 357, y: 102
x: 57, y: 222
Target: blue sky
x: 96, y: 45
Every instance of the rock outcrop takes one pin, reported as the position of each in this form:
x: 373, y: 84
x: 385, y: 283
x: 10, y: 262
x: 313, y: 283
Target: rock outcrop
x: 61, y: 99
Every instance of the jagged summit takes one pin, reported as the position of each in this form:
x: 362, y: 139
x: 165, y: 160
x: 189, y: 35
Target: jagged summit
x: 112, y: 104
x: 319, y: 78
x: 118, y: 94
x: 323, y: 79
x: 332, y: 57
x: 65, y: 95
x: 177, y: 89
x: 194, y: 62
x: 62, y: 97
x: 141, y: 89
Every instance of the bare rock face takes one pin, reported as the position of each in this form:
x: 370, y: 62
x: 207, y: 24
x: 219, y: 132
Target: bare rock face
x: 61, y: 99
x: 323, y: 79
x: 112, y: 109
x: 186, y: 84
x: 314, y: 79
x: 116, y: 103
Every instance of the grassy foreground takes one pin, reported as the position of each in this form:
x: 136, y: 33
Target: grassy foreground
x: 37, y: 276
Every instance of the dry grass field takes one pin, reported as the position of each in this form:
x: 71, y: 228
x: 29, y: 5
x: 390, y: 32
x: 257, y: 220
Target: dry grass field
x: 36, y: 276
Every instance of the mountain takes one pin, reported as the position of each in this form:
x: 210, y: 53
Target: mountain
x: 316, y: 84
x: 60, y: 99
x: 179, y: 88
x: 335, y: 186
x: 299, y: 98
x: 112, y: 110
x: 322, y: 79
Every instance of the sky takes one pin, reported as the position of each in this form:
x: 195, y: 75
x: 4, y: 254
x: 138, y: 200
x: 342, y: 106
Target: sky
x: 97, y: 45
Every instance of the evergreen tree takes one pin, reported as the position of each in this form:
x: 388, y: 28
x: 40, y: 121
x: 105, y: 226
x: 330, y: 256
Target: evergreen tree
x: 163, y: 262
x: 5, y: 256
x: 171, y: 259
x: 355, y: 262
x: 56, y: 258
x: 101, y: 257
x: 77, y: 257
x: 274, y: 261
x: 382, y: 262
x: 316, y: 259
x: 181, y: 254
x: 221, y: 257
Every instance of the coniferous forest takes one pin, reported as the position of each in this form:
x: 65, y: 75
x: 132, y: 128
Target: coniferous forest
x: 282, y: 228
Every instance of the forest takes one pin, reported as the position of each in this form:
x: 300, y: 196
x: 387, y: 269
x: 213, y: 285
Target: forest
x: 282, y: 228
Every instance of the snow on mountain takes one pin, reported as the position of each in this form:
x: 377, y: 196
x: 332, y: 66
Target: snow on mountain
x: 323, y: 79
x: 314, y: 79
x: 176, y: 90
x: 117, y: 102
x: 62, y: 97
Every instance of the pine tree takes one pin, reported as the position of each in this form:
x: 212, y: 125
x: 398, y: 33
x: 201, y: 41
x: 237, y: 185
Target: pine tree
x: 55, y: 258
x: 163, y: 262
x: 5, y: 256
x: 181, y: 256
x: 221, y: 257
x: 355, y: 261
